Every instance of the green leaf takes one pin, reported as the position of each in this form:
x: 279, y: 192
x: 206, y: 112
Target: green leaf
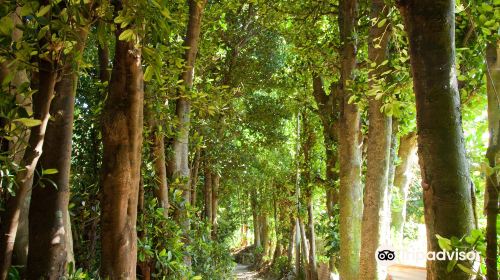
x: 28, y: 122
x: 148, y: 74
x: 487, y: 8
x: 6, y: 26
x: 451, y: 265
x: 49, y: 171
x: 126, y: 35
x: 466, y: 269
x: 43, y: 10
x: 444, y: 243
x: 382, y: 23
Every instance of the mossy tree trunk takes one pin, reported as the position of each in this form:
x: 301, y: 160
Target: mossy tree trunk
x: 350, y: 191
x: 446, y: 182
x: 378, y: 150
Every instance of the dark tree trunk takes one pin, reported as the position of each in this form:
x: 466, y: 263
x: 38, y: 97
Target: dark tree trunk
x: 430, y: 25
x: 208, y: 192
x: 122, y: 123
x: 45, y: 82
x: 158, y: 152
x: 402, y: 179
x: 49, y: 227
x: 312, y: 240
x: 350, y: 192
x: 493, y: 155
x: 194, y: 176
x: 378, y: 150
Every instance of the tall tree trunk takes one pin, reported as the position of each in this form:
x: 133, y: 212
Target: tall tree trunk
x: 378, y: 151
x: 122, y: 124
x: 256, y: 225
x: 17, y: 147
x: 45, y: 82
x: 208, y: 192
x: 158, y: 151
x: 215, y: 201
x: 264, y: 233
x: 180, y: 162
x: 493, y: 155
x: 304, y: 246
x: 386, y: 230
x: 312, y: 240
x: 194, y: 176
x: 350, y: 193
x: 49, y: 227
x: 407, y: 155
x: 430, y: 25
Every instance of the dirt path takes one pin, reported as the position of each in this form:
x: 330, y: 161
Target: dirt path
x: 243, y: 272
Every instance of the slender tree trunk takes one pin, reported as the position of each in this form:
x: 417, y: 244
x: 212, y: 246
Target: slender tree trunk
x: 291, y: 245
x: 312, y: 240
x: 493, y: 155
x: 304, y: 246
x: 430, y: 25
x: 264, y: 233
x: 159, y: 163
x: 378, y: 151
x: 208, y: 192
x: 350, y: 193
x: 41, y: 102
x: 122, y: 123
x: 194, y: 176
x: 387, y: 218
x: 180, y: 162
x: 256, y: 226
x: 17, y: 147
x: 49, y: 228
x: 407, y: 155
x: 215, y: 201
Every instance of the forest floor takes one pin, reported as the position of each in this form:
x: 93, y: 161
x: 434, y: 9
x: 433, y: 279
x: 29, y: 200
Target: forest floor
x: 243, y: 272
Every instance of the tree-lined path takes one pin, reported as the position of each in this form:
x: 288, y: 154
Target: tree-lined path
x: 214, y: 139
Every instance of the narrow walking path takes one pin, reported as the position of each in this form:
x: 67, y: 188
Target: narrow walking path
x: 243, y: 272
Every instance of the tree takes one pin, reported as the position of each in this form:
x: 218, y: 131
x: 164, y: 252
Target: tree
x: 180, y: 161
x: 51, y: 246
x: 122, y: 122
x: 407, y: 153
x: 492, y: 186
x: 379, y: 144
x: 350, y: 192
x: 446, y: 181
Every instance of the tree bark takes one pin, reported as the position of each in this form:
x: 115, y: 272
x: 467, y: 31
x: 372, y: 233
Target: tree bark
x: 493, y: 155
x: 158, y: 151
x: 194, y: 176
x: 350, y: 193
x: 208, y: 193
x: 378, y: 151
x: 445, y: 172
x: 49, y: 227
x: 312, y: 240
x: 45, y: 83
x: 122, y: 123
x: 403, y: 176
x: 180, y: 161
x: 215, y: 200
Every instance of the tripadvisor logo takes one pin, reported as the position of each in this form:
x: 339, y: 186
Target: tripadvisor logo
x: 386, y: 255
